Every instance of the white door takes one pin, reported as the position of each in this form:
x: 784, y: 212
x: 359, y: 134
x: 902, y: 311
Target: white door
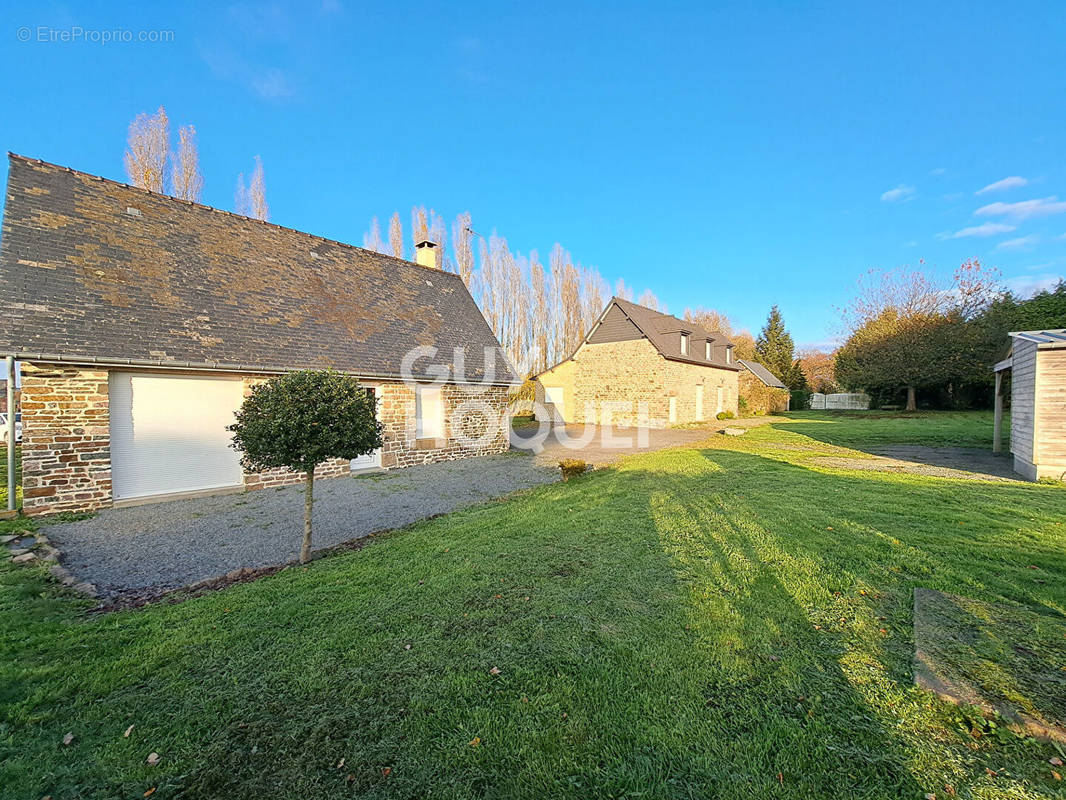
x: 673, y: 409
x: 699, y: 402
x: 370, y: 460
x: 721, y: 399
x: 168, y: 433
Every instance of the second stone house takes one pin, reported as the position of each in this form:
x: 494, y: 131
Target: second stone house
x: 638, y: 366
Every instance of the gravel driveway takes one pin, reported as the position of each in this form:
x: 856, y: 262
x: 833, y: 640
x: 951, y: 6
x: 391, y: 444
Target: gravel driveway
x: 167, y: 545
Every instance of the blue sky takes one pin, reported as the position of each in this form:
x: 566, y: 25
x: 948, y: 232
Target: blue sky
x: 730, y: 155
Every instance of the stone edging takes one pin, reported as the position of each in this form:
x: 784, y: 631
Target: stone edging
x: 42, y: 552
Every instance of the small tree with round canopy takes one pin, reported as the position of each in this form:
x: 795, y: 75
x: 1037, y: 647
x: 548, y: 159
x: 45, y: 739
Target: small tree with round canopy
x: 303, y: 419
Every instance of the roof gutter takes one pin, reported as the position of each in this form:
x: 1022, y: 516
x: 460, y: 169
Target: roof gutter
x: 208, y: 366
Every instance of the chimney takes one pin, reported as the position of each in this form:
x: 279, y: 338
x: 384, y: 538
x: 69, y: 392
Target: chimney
x: 425, y: 253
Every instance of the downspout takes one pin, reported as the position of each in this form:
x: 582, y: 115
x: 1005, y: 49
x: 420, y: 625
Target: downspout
x: 10, y: 433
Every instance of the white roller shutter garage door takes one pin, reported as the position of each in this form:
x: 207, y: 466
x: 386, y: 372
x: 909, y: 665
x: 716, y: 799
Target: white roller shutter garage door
x: 168, y: 434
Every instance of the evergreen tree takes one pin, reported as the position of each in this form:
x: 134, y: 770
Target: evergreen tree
x: 774, y: 348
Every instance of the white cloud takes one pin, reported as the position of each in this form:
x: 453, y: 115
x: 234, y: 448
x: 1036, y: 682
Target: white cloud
x: 225, y: 64
x: 1025, y: 209
x: 1021, y: 243
x: 937, y: 171
x: 1013, y: 182
x: 911, y: 243
x: 1026, y: 286
x: 985, y: 229
x: 272, y: 84
x: 901, y: 192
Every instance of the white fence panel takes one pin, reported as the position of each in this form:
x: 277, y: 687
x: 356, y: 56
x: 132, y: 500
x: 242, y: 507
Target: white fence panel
x: 841, y: 401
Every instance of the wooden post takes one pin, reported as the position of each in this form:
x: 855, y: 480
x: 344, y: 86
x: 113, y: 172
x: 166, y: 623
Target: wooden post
x: 997, y: 425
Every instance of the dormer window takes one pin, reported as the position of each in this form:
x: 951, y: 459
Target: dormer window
x: 684, y: 344
x: 709, y: 352
x: 729, y: 355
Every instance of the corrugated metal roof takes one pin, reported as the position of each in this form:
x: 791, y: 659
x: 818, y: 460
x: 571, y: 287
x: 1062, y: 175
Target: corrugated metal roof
x: 763, y: 374
x: 1052, y: 337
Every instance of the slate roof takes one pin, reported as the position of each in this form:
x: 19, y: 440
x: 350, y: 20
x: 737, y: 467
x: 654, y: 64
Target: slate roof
x: 664, y: 332
x: 94, y: 271
x: 763, y: 374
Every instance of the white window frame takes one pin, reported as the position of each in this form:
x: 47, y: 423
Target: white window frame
x: 699, y: 403
x: 429, y: 411
x: 672, y: 405
x: 709, y: 351
x: 721, y: 399
x: 684, y: 344
x: 729, y: 355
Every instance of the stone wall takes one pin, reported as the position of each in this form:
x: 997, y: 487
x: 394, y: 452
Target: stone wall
x: 634, y: 373
x: 469, y: 431
x: 760, y: 397
x: 282, y: 476
x: 396, y: 410
x: 66, y: 440
x: 66, y: 453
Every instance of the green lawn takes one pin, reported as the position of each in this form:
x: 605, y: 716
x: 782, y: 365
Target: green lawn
x: 726, y: 621
x: 934, y: 428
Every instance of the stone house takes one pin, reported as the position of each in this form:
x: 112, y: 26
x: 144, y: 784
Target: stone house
x: 761, y: 390
x: 142, y: 321
x: 638, y: 366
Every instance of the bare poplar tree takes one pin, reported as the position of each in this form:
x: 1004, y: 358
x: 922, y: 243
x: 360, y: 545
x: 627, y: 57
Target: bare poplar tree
x: 186, y: 180
x: 147, y: 146
x: 240, y: 197
x: 594, y: 293
x: 649, y: 300
x: 463, y: 248
x: 419, y: 225
x: 437, y: 232
x: 709, y: 319
x: 372, y: 238
x: 257, y: 192
x: 396, y: 235
x: 622, y: 290
x: 539, y: 305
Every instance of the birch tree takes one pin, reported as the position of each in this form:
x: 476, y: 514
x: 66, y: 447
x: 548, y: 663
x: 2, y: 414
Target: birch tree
x: 146, y: 155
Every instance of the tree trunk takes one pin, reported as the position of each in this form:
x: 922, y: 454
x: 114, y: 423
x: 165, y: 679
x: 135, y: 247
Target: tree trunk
x: 309, y: 499
x: 912, y: 405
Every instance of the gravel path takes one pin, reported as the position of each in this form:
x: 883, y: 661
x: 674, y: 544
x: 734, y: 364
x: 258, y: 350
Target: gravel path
x: 167, y: 545
x: 938, y: 462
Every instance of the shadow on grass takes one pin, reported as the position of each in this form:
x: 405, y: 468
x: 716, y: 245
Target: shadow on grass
x: 694, y: 622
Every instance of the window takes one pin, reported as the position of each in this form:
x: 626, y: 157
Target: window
x: 429, y: 412
x: 729, y: 355
x: 684, y: 344
x: 699, y: 403
x: 721, y: 399
x: 709, y: 352
x: 673, y: 409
